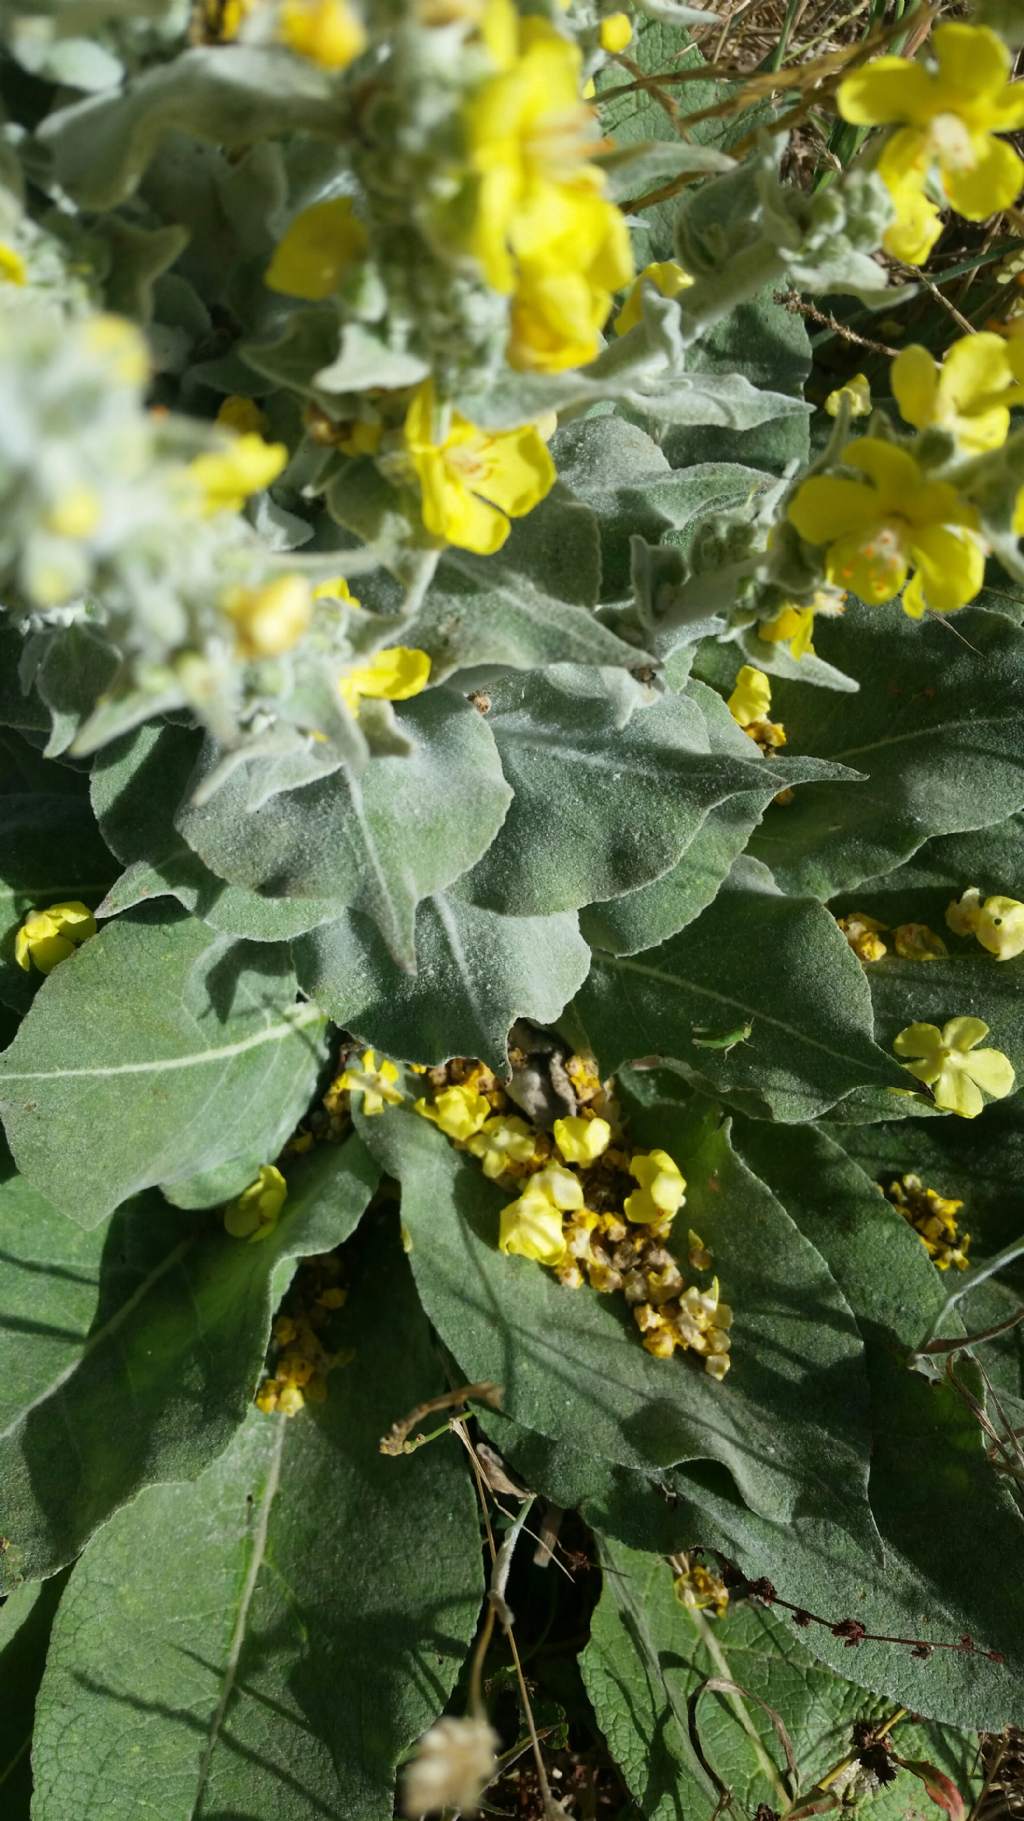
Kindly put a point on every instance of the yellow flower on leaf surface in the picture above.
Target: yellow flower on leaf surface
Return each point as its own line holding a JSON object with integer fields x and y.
{"x": 50, "y": 936}
{"x": 969, "y": 395}
{"x": 254, "y": 1213}
{"x": 474, "y": 481}
{"x": 563, "y": 294}
{"x": 531, "y": 1226}
{"x": 227, "y": 477}
{"x": 318, "y": 248}
{"x": 373, "y": 1081}
{"x": 662, "y": 1188}
{"x": 998, "y": 923}
{"x": 503, "y": 1140}
{"x": 615, "y": 32}
{"x": 751, "y": 697}
{"x": 793, "y": 625}
{"x": 666, "y": 277}
{"x": 949, "y": 1063}
{"x": 947, "y": 117}
{"x": 855, "y": 394}
{"x": 878, "y": 528}
{"x": 328, "y": 32}
{"x": 582, "y": 1141}
{"x": 336, "y": 589}
{"x": 391, "y": 675}
{"x": 271, "y": 619}
{"x": 458, "y": 1111}
{"x": 918, "y": 942}
{"x": 528, "y": 132}
{"x": 13, "y": 270}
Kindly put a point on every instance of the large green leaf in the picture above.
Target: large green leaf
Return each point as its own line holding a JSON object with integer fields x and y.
{"x": 779, "y": 964}
{"x": 650, "y": 915}
{"x": 476, "y": 973}
{"x": 114, "y": 1341}
{"x": 138, "y": 783}
{"x": 157, "y": 1050}
{"x": 609, "y": 789}
{"x": 379, "y": 843}
{"x": 270, "y": 1639}
{"x": 571, "y": 1362}
{"x": 649, "y": 1656}
{"x": 935, "y": 727}
{"x": 25, "y": 1622}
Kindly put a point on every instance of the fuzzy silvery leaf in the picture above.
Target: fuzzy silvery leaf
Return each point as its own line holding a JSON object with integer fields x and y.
{"x": 753, "y": 957}
{"x": 935, "y": 727}
{"x": 330, "y": 1597}
{"x": 155, "y": 1027}
{"x": 378, "y": 843}
{"x": 571, "y": 1362}
{"x": 477, "y": 971}
{"x": 162, "y": 1302}
{"x": 633, "y": 169}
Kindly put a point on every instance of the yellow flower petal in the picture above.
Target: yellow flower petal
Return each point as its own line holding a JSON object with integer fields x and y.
{"x": 884, "y": 91}
{"x": 666, "y": 276}
{"x": 950, "y": 567}
{"x": 992, "y": 184}
{"x": 914, "y": 377}
{"x": 392, "y": 675}
{"x": 955, "y": 1092}
{"x": 963, "y": 1033}
{"x": 318, "y": 248}
{"x": 751, "y": 698}
{"x": 999, "y": 927}
{"x": 893, "y": 471}
{"x": 582, "y": 1141}
{"x": 973, "y": 61}
{"x": 328, "y": 32}
{"x": 992, "y": 1071}
{"x": 827, "y": 507}
{"x": 615, "y": 32}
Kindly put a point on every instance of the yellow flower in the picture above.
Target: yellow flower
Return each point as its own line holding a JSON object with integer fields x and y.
{"x": 76, "y": 514}
{"x": 949, "y": 1064}
{"x": 13, "y": 270}
{"x": 289, "y": 1401}
{"x": 242, "y": 415}
{"x": 615, "y": 32}
{"x": 564, "y": 291}
{"x": 271, "y": 619}
{"x": 226, "y": 478}
{"x": 391, "y": 675}
{"x": 527, "y": 133}
{"x": 662, "y": 1188}
{"x": 375, "y": 1082}
{"x": 531, "y": 1226}
{"x": 49, "y": 936}
{"x": 856, "y": 395}
{"x": 254, "y": 1213}
{"x": 336, "y": 589}
{"x": 948, "y": 116}
{"x": 459, "y": 1111}
{"x": 917, "y": 942}
{"x": 969, "y": 395}
{"x": 751, "y": 697}
{"x": 582, "y": 1140}
{"x": 328, "y": 32}
{"x": 864, "y": 934}
{"x": 877, "y": 529}
{"x": 474, "y": 481}
{"x": 666, "y": 277}
{"x": 794, "y": 625}
{"x": 697, "y": 1588}
{"x": 319, "y": 247}
{"x": 501, "y": 1141}
{"x": 998, "y": 923}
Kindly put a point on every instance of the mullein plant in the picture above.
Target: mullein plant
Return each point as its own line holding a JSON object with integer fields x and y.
{"x": 512, "y": 903}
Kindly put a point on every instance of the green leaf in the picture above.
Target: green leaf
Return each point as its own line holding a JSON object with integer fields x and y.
{"x": 476, "y": 973}
{"x": 644, "y": 918}
{"x": 571, "y": 1362}
{"x": 157, "y": 1050}
{"x": 230, "y": 94}
{"x": 645, "y": 165}
{"x": 649, "y": 1657}
{"x": 112, "y": 1341}
{"x": 753, "y": 957}
{"x": 935, "y": 727}
{"x": 609, "y": 789}
{"x": 25, "y": 1622}
{"x": 137, "y": 785}
{"x": 75, "y": 671}
{"x": 379, "y": 843}
{"x": 272, "y": 1638}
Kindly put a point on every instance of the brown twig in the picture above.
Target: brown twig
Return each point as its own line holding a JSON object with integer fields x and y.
{"x": 396, "y": 1441}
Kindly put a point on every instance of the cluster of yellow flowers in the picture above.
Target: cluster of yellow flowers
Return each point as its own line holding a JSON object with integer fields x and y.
{"x": 588, "y": 1208}
{"x": 933, "y": 1218}
{"x": 910, "y": 941}
{"x": 301, "y": 1357}
{"x": 328, "y": 32}
{"x": 749, "y": 705}
{"x": 698, "y": 1588}
{"x": 947, "y": 120}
